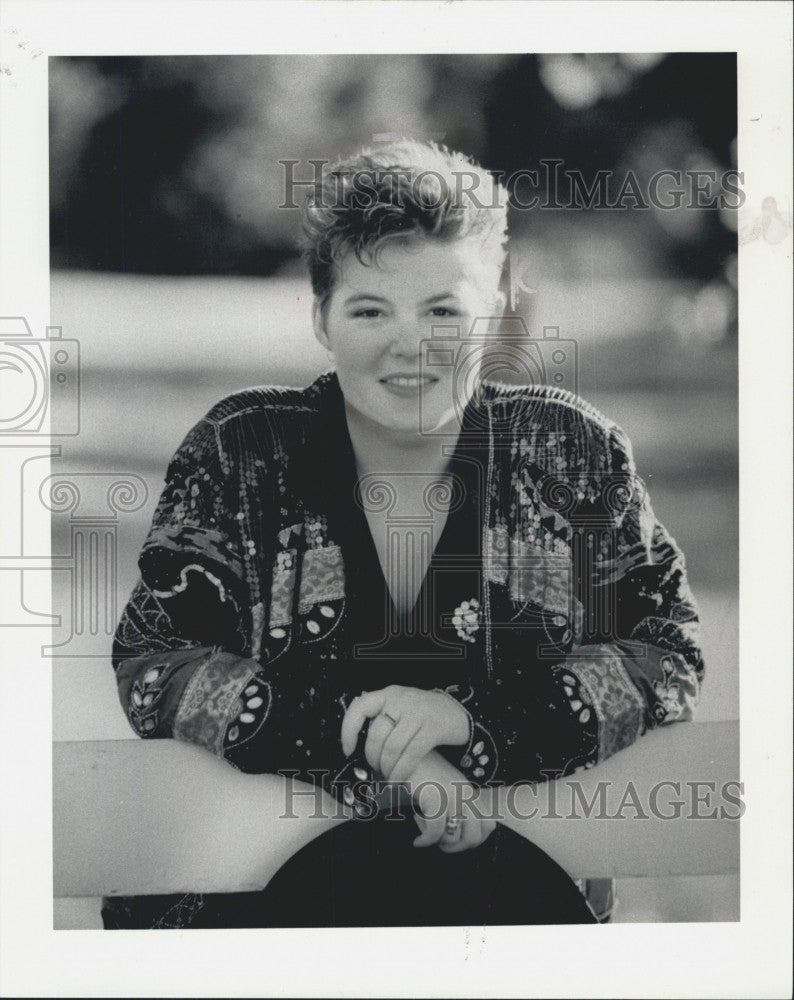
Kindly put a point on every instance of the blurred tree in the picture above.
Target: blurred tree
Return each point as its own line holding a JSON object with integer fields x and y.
{"x": 622, "y": 112}
{"x": 171, "y": 164}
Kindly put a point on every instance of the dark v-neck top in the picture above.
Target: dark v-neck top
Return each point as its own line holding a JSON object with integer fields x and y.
{"x": 420, "y": 648}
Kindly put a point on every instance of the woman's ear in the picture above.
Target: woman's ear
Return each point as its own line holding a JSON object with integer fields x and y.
{"x": 318, "y": 321}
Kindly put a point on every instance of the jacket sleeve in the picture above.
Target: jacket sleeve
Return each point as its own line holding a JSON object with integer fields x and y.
{"x": 187, "y": 658}
{"x": 622, "y": 659}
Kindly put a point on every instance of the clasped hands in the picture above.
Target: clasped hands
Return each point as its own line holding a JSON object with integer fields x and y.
{"x": 406, "y": 725}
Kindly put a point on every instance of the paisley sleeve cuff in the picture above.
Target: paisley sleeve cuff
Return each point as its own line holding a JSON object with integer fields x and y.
{"x": 214, "y": 701}
{"x": 479, "y": 759}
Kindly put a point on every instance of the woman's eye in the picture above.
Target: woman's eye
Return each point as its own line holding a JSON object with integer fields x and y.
{"x": 442, "y": 311}
{"x": 367, "y": 313}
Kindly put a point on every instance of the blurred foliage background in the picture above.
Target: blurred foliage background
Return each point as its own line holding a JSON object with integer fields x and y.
{"x": 177, "y": 271}
{"x": 171, "y": 165}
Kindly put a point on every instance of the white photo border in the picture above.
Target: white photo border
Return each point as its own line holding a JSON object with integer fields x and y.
{"x": 750, "y": 957}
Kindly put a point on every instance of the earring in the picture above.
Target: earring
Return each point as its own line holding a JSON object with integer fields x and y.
{"x": 331, "y": 357}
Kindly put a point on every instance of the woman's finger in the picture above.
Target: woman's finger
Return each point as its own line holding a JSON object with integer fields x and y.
{"x": 379, "y": 729}
{"x": 360, "y": 709}
{"x": 471, "y": 838}
{"x": 415, "y": 750}
{"x": 432, "y": 830}
{"x": 431, "y": 815}
{"x": 423, "y": 839}
{"x": 476, "y": 831}
{"x": 464, "y": 832}
{"x": 395, "y": 745}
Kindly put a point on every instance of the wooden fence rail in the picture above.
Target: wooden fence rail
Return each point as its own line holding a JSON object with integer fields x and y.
{"x": 138, "y": 817}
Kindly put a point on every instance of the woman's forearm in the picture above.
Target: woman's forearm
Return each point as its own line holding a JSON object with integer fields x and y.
{"x": 645, "y": 811}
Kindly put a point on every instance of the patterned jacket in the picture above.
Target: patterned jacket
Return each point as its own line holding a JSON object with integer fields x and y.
{"x": 560, "y": 616}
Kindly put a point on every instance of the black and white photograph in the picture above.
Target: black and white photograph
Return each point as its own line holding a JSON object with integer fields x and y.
{"x": 375, "y": 460}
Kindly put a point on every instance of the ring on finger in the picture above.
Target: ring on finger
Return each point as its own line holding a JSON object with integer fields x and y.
{"x": 453, "y": 827}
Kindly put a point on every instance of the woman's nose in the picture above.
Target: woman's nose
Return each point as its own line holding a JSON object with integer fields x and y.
{"x": 406, "y": 339}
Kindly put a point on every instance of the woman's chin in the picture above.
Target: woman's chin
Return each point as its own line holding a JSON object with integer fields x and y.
{"x": 419, "y": 423}
{"x": 405, "y": 419}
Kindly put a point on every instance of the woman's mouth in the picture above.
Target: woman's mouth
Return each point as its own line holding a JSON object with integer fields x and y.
{"x": 405, "y": 384}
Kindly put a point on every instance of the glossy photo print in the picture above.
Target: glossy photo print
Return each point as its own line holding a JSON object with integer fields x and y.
{"x": 376, "y": 473}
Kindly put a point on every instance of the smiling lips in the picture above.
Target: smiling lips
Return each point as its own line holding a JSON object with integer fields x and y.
{"x": 404, "y": 384}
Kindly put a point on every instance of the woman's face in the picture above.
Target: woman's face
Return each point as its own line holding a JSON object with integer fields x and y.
{"x": 378, "y": 319}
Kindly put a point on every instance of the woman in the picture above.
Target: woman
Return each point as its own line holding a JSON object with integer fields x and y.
{"x": 405, "y": 572}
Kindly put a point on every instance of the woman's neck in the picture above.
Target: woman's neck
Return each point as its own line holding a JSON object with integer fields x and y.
{"x": 378, "y": 449}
